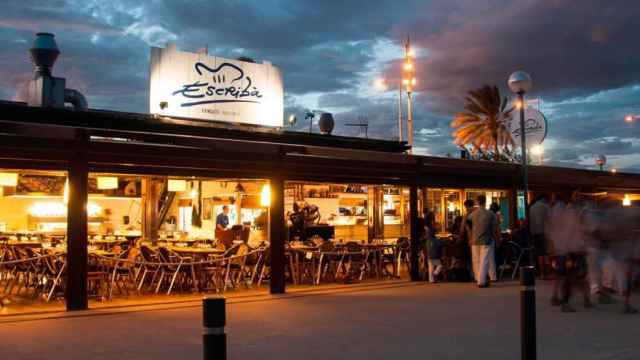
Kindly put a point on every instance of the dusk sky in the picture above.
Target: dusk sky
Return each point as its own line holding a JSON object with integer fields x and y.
{"x": 584, "y": 57}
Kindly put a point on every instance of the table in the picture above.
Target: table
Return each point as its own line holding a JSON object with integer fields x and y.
{"x": 197, "y": 252}
{"x": 107, "y": 243}
{"x": 30, "y": 243}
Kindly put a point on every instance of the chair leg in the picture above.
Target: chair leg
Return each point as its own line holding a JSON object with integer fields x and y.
{"x": 319, "y": 274}
{"x": 56, "y": 281}
{"x": 264, "y": 267}
{"x": 159, "y": 281}
{"x": 517, "y": 267}
{"x": 113, "y": 281}
{"x": 173, "y": 280}
{"x": 255, "y": 269}
{"x": 226, "y": 278}
{"x": 144, "y": 274}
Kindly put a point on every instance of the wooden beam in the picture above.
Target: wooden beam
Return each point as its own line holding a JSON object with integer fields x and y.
{"x": 147, "y": 123}
{"x": 77, "y": 257}
{"x": 277, "y": 234}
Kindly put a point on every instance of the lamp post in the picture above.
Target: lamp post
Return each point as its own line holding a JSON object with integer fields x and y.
{"x": 409, "y": 81}
{"x": 520, "y": 83}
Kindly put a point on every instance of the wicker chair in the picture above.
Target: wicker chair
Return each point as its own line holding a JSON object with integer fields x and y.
{"x": 149, "y": 258}
{"x": 175, "y": 265}
{"x": 329, "y": 262}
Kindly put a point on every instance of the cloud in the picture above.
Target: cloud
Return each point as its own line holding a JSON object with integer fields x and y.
{"x": 583, "y": 58}
{"x": 569, "y": 50}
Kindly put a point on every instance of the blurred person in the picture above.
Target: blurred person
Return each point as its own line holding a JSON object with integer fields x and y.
{"x": 495, "y": 208}
{"x": 618, "y": 227}
{"x": 484, "y": 234}
{"x": 464, "y": 236}
{"x": 538, "y": 217}
{"x": 597, "y": 247}
{"x": 434, "y": 249}
{"x": 566, "y": 237}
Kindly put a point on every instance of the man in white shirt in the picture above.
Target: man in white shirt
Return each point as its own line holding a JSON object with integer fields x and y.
{"x": 484, "y": 234}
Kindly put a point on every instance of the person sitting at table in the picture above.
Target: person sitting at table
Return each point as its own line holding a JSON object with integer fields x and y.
{"x": 222, "y": 220}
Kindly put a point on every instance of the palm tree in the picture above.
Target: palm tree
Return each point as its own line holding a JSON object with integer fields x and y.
{"x": 483, "y": 125}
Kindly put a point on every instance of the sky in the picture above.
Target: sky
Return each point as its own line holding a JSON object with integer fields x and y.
{"x": 583, "y": 56}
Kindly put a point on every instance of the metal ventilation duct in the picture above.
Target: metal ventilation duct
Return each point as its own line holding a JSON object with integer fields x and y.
{"x": 45, "y": 90}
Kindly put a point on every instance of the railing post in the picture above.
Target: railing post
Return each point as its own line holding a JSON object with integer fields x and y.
{"x": 528, "y": 313}
{"x": 214, "y": 339}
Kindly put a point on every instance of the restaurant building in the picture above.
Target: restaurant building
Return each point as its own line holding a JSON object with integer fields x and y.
{"x": 82, "y": 189}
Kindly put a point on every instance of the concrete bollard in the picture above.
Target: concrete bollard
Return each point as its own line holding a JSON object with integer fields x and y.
{"x": 528, "y": 313}
{"x": 214, "y": 339}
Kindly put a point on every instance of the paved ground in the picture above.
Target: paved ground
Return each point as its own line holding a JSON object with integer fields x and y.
{"x": 443, "y": 321}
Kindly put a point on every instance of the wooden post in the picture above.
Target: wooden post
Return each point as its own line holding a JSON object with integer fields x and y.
{"x": 150, "y": 212}
{"x": 77, "y": 267}
{"x": 375, "y": 212}
{"x": 277, "y": 235}
{"x": 415, "y": 233}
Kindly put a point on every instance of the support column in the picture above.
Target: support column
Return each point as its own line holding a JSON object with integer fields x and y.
{"x": 415, "y": 233}
{"x": 277, "y": 233}
{"x": 151, "y": 189}
{"x": 77, "y": 268}
{"x": 375, "y": 212}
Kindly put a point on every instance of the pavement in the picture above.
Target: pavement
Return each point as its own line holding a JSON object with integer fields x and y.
{"x": 405, "y": 321}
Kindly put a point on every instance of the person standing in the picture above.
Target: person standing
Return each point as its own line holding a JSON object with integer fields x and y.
{"x": 567, "y": 238}
{"x": 434, "y": 249}
{"x": 484, "y": 234}
{"x": 622, "y": 222}
{"x": 465, "y": 235}
{"x": 222, "y": 220}
{"x": 538, "y": 217}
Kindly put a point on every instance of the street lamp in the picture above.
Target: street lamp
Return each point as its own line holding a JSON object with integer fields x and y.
{"x": 520, "y": 83}
{"x": 631, "y": 118}
{"x": 409, "y": 81}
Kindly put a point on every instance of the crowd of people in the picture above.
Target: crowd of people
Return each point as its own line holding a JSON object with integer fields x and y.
{"x": 579, "y": 241}
{"x": 573, "y": 242}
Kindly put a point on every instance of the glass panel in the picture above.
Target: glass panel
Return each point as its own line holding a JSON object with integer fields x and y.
{"x": 396, "y": 212}
{"x": 33, "y": 222}
{"x": 176, "y": 236}
{"x": 329, "y": 211}
{"x": 496, "y": 199}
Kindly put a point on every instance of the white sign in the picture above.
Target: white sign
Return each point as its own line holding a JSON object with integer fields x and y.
{"x": 199, "y": 86}
{"x": 535, "y": 125}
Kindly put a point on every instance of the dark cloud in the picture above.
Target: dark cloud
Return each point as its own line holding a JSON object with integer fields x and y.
{"x": 569, "y": 48}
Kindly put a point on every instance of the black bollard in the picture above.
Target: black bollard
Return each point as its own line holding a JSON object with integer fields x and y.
{"x": 528, "y": 313}
{"x": 214, "y": 339}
